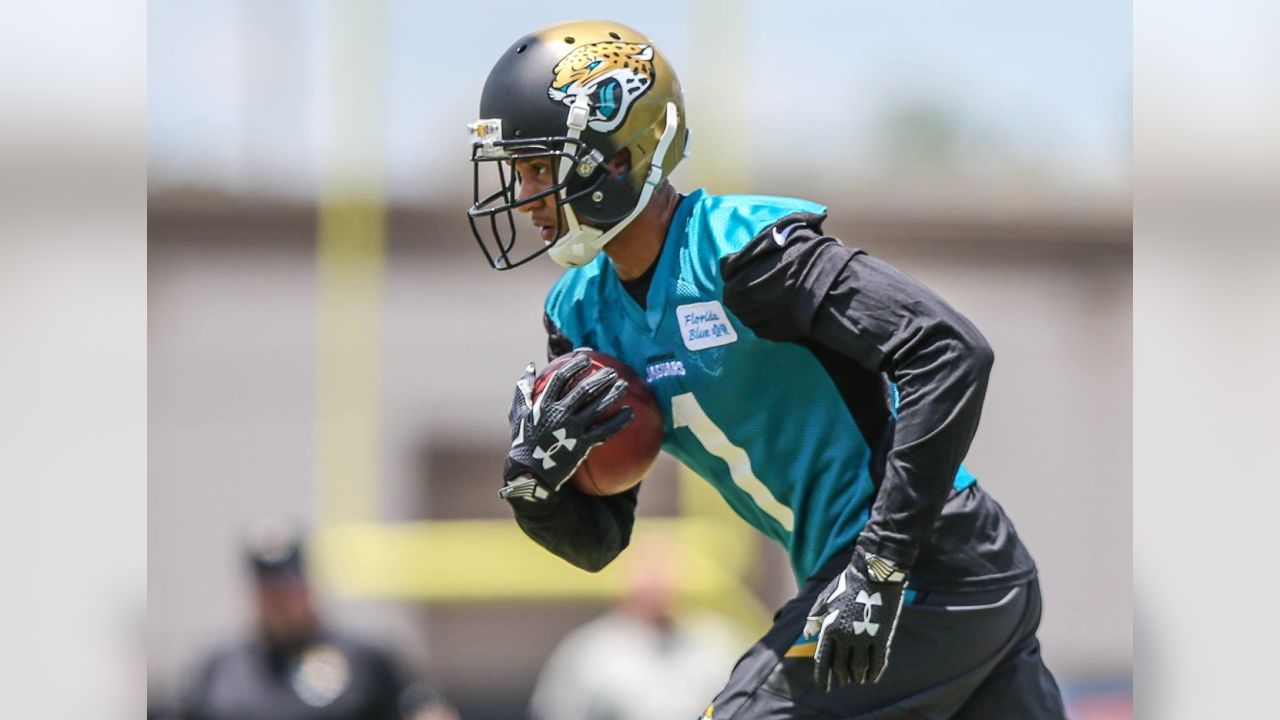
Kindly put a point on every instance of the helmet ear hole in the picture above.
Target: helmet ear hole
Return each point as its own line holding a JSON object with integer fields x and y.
{"x": 620, "y": 164}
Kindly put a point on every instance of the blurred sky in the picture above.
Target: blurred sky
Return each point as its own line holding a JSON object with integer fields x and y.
{"x": 995, "y": 93}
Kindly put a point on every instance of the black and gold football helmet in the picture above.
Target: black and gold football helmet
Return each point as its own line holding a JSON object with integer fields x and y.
{"x": 577, "y": 93}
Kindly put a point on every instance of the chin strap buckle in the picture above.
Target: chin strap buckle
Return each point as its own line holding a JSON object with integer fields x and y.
{"x": 588, "y": 165}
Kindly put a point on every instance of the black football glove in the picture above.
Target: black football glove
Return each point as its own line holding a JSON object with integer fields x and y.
{"x": 854, "y": 619}
{"x": 550, "y": 436}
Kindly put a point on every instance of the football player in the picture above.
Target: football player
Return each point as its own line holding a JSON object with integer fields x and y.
{"x": 826, "y": 395}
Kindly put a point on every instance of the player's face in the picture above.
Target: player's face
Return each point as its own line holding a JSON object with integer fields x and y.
{"x": 534, "y": 176}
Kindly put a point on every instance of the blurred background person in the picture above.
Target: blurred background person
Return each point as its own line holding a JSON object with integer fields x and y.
{"x": 294, "y": 666}
{"x": 643, "y": 659}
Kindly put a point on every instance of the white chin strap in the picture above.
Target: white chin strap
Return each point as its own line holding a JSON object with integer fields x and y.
{"x": 582, "y": 243}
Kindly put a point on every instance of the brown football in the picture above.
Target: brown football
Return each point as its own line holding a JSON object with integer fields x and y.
{"x": 621, "y": 462}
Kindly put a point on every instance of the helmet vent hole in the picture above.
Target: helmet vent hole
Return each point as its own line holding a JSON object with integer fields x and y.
{"x": 615, "y": 36}
{"x": 521, "y": 48}
{"x": 569, "y": 40}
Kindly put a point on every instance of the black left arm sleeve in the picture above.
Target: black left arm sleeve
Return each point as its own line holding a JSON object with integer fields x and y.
{"x": 811, "y": 289}
{"x": 586, "y": 530}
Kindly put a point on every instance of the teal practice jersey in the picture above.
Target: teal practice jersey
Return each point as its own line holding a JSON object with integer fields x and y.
{"x": 760, "y": 420}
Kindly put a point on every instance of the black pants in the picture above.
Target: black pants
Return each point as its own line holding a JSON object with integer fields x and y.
{"x": 971, "y": 656}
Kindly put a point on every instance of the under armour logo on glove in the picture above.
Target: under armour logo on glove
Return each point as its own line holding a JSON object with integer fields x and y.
{"x": 848, "y": 617}
{"x": 551, "y": 434}
{"x": 865, "y": 625}
{"x": 561, "y": 442}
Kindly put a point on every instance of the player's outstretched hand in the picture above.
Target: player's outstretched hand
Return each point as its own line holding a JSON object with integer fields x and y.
{"x": 854, "y": 619}
{"x": 551, "y": 434}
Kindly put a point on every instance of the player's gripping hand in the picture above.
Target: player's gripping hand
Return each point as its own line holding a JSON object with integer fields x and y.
{"x": 550, "y": 435}
{"x": 854, "y": 619}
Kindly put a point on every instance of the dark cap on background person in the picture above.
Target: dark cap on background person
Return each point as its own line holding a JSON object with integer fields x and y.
{"x": 274, "y": 547}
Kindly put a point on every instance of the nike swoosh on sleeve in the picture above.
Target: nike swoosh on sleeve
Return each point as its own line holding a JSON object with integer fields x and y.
{"x": 782, "y": 237}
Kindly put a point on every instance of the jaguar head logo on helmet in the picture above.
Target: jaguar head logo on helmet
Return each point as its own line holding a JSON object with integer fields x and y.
{"x": 611, "y": 74}
{"x": 579, "y": 123}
